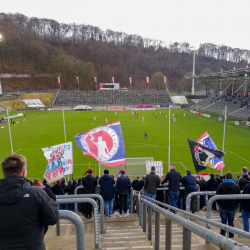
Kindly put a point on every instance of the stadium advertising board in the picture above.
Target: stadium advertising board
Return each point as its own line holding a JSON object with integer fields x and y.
{"x": 199, "y": 113}
{"x": 33, "y": 103}
{"x": 115, "y": 108}
{"x": 109, "y": 86}
{"x": 158, "y": 166}
{"x": 14, "y": 116}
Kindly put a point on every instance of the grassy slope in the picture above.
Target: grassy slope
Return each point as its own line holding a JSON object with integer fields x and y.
{"x": 45, "y": 128}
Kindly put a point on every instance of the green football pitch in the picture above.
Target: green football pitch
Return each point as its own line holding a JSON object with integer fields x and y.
{"x": 41, "y": 129}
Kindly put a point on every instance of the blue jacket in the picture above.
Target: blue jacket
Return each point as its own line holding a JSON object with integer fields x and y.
{"x": 189, "y": 182}
{"x": 107, "y": 189}
{"x": 123, "y": 184}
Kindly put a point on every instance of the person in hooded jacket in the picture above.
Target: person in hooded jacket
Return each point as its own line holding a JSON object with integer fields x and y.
{"x": 56, "y": 188}
{"x": 107, "y": 192}
{"x": 25, "y": 209}
{"x": 212, "y": 185}
{"x": 227, "y": 207}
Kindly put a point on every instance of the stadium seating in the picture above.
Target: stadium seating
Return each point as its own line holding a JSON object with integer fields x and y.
{"x": 107, "y": 98}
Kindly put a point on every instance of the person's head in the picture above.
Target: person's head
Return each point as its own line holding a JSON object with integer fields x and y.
{"x": 37, "y": 182}
{"x": 143, "y": 177}
{"x": 63, "y": 181}
{"x": 90, "y": 171}
{"x": 138, "y": 178}
{"x": 212, "y": 176}
{"x": 122, "y": 171}
{"x": 58, "y": 182}
{"x": 44, "y": 182}
{"x": 14, "y": 165}
{"x": 152, "y": 169}
{"x": 217, "y": 176}
{"x": 69, "y": 182}
{"x": 74, "y": 182}
{"x": 106, "y": 171}
{"x": 189, "y": 172}
{"x": 244, "y": 170}
{"x": 172, "y": 166}
{"x": 229, "y": 175}
{"x": 79, "y": 181}
{"x": 238, "y": 177}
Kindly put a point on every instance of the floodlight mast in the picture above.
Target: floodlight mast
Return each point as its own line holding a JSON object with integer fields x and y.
{"x": 193, "y": 74}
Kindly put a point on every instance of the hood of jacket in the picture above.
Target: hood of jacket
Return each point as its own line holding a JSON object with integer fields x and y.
{"x": 123, "y": 177}
{"x": 13, "y": 189}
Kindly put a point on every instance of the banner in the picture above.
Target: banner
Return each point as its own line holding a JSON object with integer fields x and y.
{"x": 105, "y": 144}
{"x": 165, "y": 79}
{"x": 147, "y": 79}
{"x": 94, "y": 79}
{"x": 58, "y": 79}
{"x": 204, "y": 156}
{"x": 60, "y": 161}
{"x": 199, "y": 113}
{"x": 77, "y": 78}
{"x": 130, "y": 80}
{"x": 113, "y": 79}
{"x": 158, "y": 166}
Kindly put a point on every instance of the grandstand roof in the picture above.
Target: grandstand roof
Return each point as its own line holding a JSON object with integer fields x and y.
{"x": 236, "y": 75}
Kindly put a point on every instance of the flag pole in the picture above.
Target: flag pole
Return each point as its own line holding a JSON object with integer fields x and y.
{"x": 169, "y": 141}
{"x": 12, "y": 152}
{"x": 223, "y": 145}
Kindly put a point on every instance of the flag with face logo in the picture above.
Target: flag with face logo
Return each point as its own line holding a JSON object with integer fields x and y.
{"x": 105, "y": 144}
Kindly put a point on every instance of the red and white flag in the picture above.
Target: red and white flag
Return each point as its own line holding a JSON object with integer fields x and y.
{"x": 77, "y": 78}
{"x": 147, "y": 79}
{"x": 165, "y": 79}
{"x": 113, "y": 79}
{"x": 130, "y": 80}
{"x": 58, "y": 79}
{"x": 94, "y": 79}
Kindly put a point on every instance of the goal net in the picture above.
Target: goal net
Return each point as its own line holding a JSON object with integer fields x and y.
{"x": 134, "y": 167}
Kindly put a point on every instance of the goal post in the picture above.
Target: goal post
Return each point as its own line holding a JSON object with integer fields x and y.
{"x": 134, "y": 167}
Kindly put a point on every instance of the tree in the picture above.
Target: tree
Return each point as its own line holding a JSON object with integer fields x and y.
{"x": 157, "y": 81}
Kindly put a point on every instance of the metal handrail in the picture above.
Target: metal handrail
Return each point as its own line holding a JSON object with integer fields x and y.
{"x": 206, "y": 220}
{"x": 226, "y": 197}
{"x": 94, "y": 204}
{"x": 80, "y": 230}
{"x": 97, "y": 196}
{"x": 188, "y": 226}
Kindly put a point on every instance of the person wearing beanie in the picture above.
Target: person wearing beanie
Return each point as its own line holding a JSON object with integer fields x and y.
{"x": 189, "y": 182}
{"x": 227, "y": 207}
{"x": 107, "y": 192}
{"x": 212, "y": 185}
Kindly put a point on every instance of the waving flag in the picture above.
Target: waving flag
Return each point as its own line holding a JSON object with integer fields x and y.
{"x": 105, "y": 144}
{"x": 204, "y": 156}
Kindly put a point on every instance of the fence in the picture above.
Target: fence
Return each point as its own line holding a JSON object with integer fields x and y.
{"x": 83, "y": 200}
{"x": 210, "y": 236}
{"x": 80, "y": 230}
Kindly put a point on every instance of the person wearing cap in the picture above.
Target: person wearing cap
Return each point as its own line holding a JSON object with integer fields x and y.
{"x": 25, "y": 209}
{"x": 107, "y": 192}
{"x": 227, "y": 207}
{"x": 189, "y": 182}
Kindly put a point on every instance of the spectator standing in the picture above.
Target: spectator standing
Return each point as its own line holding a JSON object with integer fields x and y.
{"x": 218, "y": 179}
{"x": 174, "y": 178}
{"x": 56, "y": 188}
{"x": 63, "y": 190}
{"x": 212, "y": 185}
{"x": 89, "y": 182}
{"x": 150, "y": 186}
{"x": 107, "y": 192}
{"x": 123, "y": 185}
{"x": 227, "y": 207}
{"x": 140, "y": 184}
{"x": 135, "y": 182}
{"x": 189, "y": 182}
{"x": 244, "y": 179}
{"x": 246, "y": 207}
{"x": 25, "y": 209}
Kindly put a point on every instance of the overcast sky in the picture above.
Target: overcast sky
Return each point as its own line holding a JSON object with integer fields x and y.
{"x": 194, "y": 21}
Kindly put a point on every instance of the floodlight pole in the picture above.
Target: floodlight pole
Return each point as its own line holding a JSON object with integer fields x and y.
{"x": 19, "y": 99}
{"x": 169, "y": 140}
{"x": 223, "y": 145}
{"x": 64, "y": 126}
{"x": 193, "y": 74}
{"x": 12, "y": 152}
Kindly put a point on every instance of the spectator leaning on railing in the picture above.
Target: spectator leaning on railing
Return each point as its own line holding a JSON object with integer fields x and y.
{"x": 25, "y": 209}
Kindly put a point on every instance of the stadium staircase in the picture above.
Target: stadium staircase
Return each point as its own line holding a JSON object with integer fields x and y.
{"x": 125, "y": 233}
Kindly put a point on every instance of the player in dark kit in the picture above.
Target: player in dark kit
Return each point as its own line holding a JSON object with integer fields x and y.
{"x": 145, "y": 135}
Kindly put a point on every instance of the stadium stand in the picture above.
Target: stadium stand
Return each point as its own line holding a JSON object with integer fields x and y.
{"x": 106, "y": 98}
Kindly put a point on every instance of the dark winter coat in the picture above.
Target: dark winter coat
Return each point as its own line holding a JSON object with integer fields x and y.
{"x": 243, "y": 181}
{"x": 175, "y": 179}
{"x": 246, "y": 203}
{"x": 107, "y": 187}
{"x": 56, "y": 189}
{"x": 189, "y": 182}
{"x": 134, "y": 183}
{"x": 152, "y": 181}
{"x": 25, "y": 210}
{"x": 212, "y": 185}
{"x": 89, "y": 182}
{"x": 123, "y": 184}
{"x": 139, "y": 185}
{"x": 49, "y": 193}
{"x": 224, "y": 189}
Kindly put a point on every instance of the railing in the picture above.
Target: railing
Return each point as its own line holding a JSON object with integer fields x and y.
{"x": 188, "y": 226}
{"x": 84, "y": 200}
{"x": 96, "y": 196}
{"x": 226, "y": 197}
{"x": 80, "y": 230}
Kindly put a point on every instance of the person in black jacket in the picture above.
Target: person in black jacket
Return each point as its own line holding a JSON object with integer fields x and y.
{"x": 174, "y": 178}
{"x": 246, "y": 207}
{"x": 140, "y": 184}
{"x": 212, "y": 185}
{"x": 25, "y": 209}
{"x": 135, "y": 182}
{"x": 218, "y": 179}
{"x": 63, "y": 189}
{"x": 244, "y": 179}
{"x": 56, "y": 188}
{"x": 227, "y": 207}
{"x": 89, "y": 183}
{"x": 107, "y": 192}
